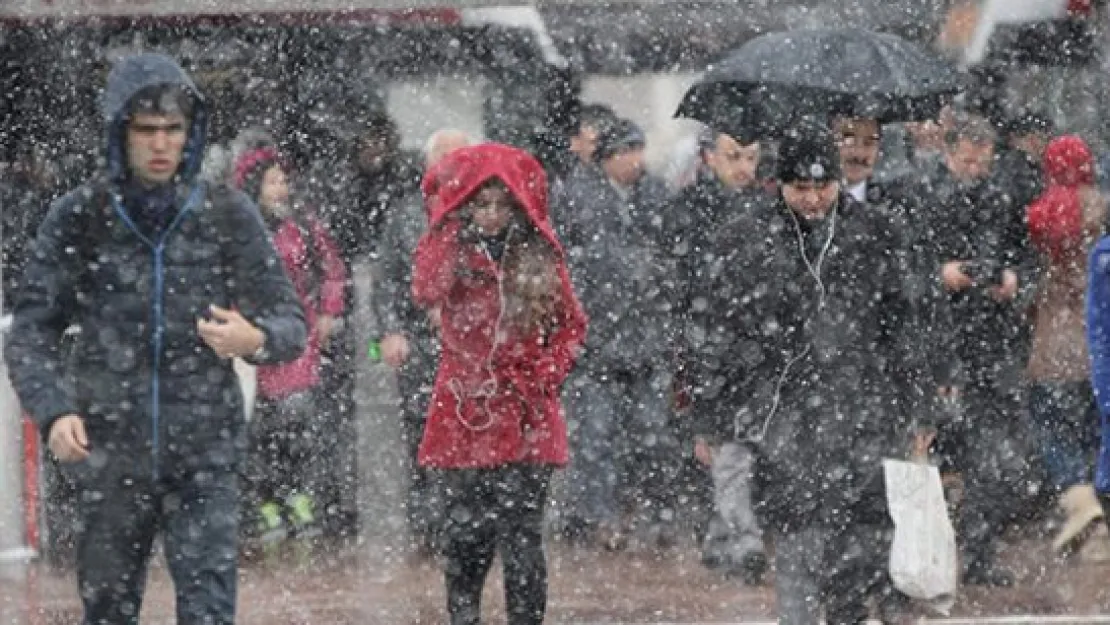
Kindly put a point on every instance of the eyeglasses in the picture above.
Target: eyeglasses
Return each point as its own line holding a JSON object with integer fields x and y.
{"x": 853, "y": 140}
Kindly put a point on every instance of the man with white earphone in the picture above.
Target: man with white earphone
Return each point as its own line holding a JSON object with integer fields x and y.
{"x": 803, "y": 325}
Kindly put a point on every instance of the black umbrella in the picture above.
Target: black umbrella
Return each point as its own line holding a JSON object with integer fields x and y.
{"x": 771, "y": 80}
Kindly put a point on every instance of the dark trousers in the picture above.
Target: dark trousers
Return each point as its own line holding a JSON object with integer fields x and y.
{"x": 1066, "y": 420}
{"x": 835, "y": 570}
{"x": 989, "y": 443}
{"x": 489, "y": 511}
{"x": 336, "y": 400}
{"x": 197, "y": 515}
{"x": 290, "y": 443}
{"x": 424, "y": 499}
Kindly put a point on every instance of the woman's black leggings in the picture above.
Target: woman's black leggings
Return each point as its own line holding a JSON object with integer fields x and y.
{"x": 491, "y": 510}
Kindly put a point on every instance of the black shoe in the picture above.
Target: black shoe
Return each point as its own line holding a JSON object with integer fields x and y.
{"x": 988, "y": 575}
{"x": 713, "y": 558}
{"x": 752, "y": 568}
{"x": 749, "y": 569}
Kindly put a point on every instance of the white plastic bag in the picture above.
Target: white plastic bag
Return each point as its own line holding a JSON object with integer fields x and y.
{"x": 924, "y": 559}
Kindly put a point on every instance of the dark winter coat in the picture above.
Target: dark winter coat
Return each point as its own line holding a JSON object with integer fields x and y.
{"x": 956, "y": 222}
{"x": 1020, "y": 176}
{"x": 807, "y": 377}
{"x": 700, "y": 212}
{"x": 392, "y": 297}
{"x": 148, "y": 387}
{"x": 619, "y": 256}
{"x": 356, "y": 204}
{"x": 496, "y": 399}
{"x": 23, "y": 204}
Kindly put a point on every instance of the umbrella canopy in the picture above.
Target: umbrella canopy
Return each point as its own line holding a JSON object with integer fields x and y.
{"x": 771, "y": 80}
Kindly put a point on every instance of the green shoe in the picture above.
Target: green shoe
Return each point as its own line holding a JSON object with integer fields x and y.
{"x": 300, "y": 510}
{"x": 270, "y": 523}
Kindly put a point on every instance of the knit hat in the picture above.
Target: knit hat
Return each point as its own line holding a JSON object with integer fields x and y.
{"x": 808, "y": 152}
{"x": 618, "y": 136}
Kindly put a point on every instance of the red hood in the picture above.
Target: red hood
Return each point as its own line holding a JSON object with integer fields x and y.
{"x": 1055, "y": 219}
{"x": 458, "y": 176}
{"x": 1068, "y": 162}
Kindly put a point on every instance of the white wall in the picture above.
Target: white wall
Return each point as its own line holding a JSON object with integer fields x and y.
{"x": 423, "y": 106}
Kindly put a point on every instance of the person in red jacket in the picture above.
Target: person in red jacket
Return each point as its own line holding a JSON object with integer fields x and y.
{"x": 287, "y": 465}
{"x": 510, "y": 330}
{"x": 1064, "y": 223}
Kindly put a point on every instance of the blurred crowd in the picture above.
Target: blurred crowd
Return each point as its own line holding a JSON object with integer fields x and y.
{"x": 700, "y": 407}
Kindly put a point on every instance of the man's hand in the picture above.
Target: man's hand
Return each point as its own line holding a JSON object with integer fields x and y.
{"x": 435, "y": 318}
{"x": 953, "y": 276}
{"x": 229, "y": 334}
{"x": 703, "y": 452}
{"x": 325, "y": 328}
{"x": 395, "y": 350}
{"x": 1008, "y": 290}
{"x": 919, "y": 447}
{"x": 68, "y": 440}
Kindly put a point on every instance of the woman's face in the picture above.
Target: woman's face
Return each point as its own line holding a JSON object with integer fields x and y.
{"x": 491, "y": 209}
{"x": 273, "y": 196}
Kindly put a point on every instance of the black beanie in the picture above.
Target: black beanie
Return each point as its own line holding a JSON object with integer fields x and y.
{"x": 808, "y": 152}
{"x": 617, "y": 136}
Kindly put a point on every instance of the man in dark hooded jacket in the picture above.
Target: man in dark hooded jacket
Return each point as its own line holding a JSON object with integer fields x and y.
{"x": 799, "y": 332}
{"x": 168, "y": 280}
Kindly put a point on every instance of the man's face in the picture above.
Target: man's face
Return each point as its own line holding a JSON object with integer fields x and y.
{"x": 969, "y": 160}
{"x": 156, "y": 145}
{"x": 859, "y": 142}
{"x": 734, "y": 164}
{"x": 812, "y": 199}
{"x": 625, "y": 167}
{"x": 374, "y": 153}
{"x": 584, "y": 143}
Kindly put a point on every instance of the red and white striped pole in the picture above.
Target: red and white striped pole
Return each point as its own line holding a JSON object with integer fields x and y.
{"x": 32, "y": 466}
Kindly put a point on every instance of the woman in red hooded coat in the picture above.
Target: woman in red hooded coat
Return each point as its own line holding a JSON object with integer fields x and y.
{"x": 493, "y": 271}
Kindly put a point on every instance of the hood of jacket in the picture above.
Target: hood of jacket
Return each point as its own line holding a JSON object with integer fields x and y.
{"x": 1068, "y": 162}
{"x": 1055, "y": 219}
{"x": 130, "y": 76}
{"x": 454, "y": 180}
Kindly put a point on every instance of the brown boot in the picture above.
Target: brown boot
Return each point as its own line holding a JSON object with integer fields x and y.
{"x": 1080, "y": 505}
{"x": 1097, "y": 547}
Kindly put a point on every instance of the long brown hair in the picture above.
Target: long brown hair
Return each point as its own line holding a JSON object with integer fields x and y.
{"x": 532, "y": 285}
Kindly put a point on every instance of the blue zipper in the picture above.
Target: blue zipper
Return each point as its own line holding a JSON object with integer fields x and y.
{"x": 157, "y": 310}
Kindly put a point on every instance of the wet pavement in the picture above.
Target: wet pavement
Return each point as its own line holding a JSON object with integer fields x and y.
{"x": 375, "y": 584}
